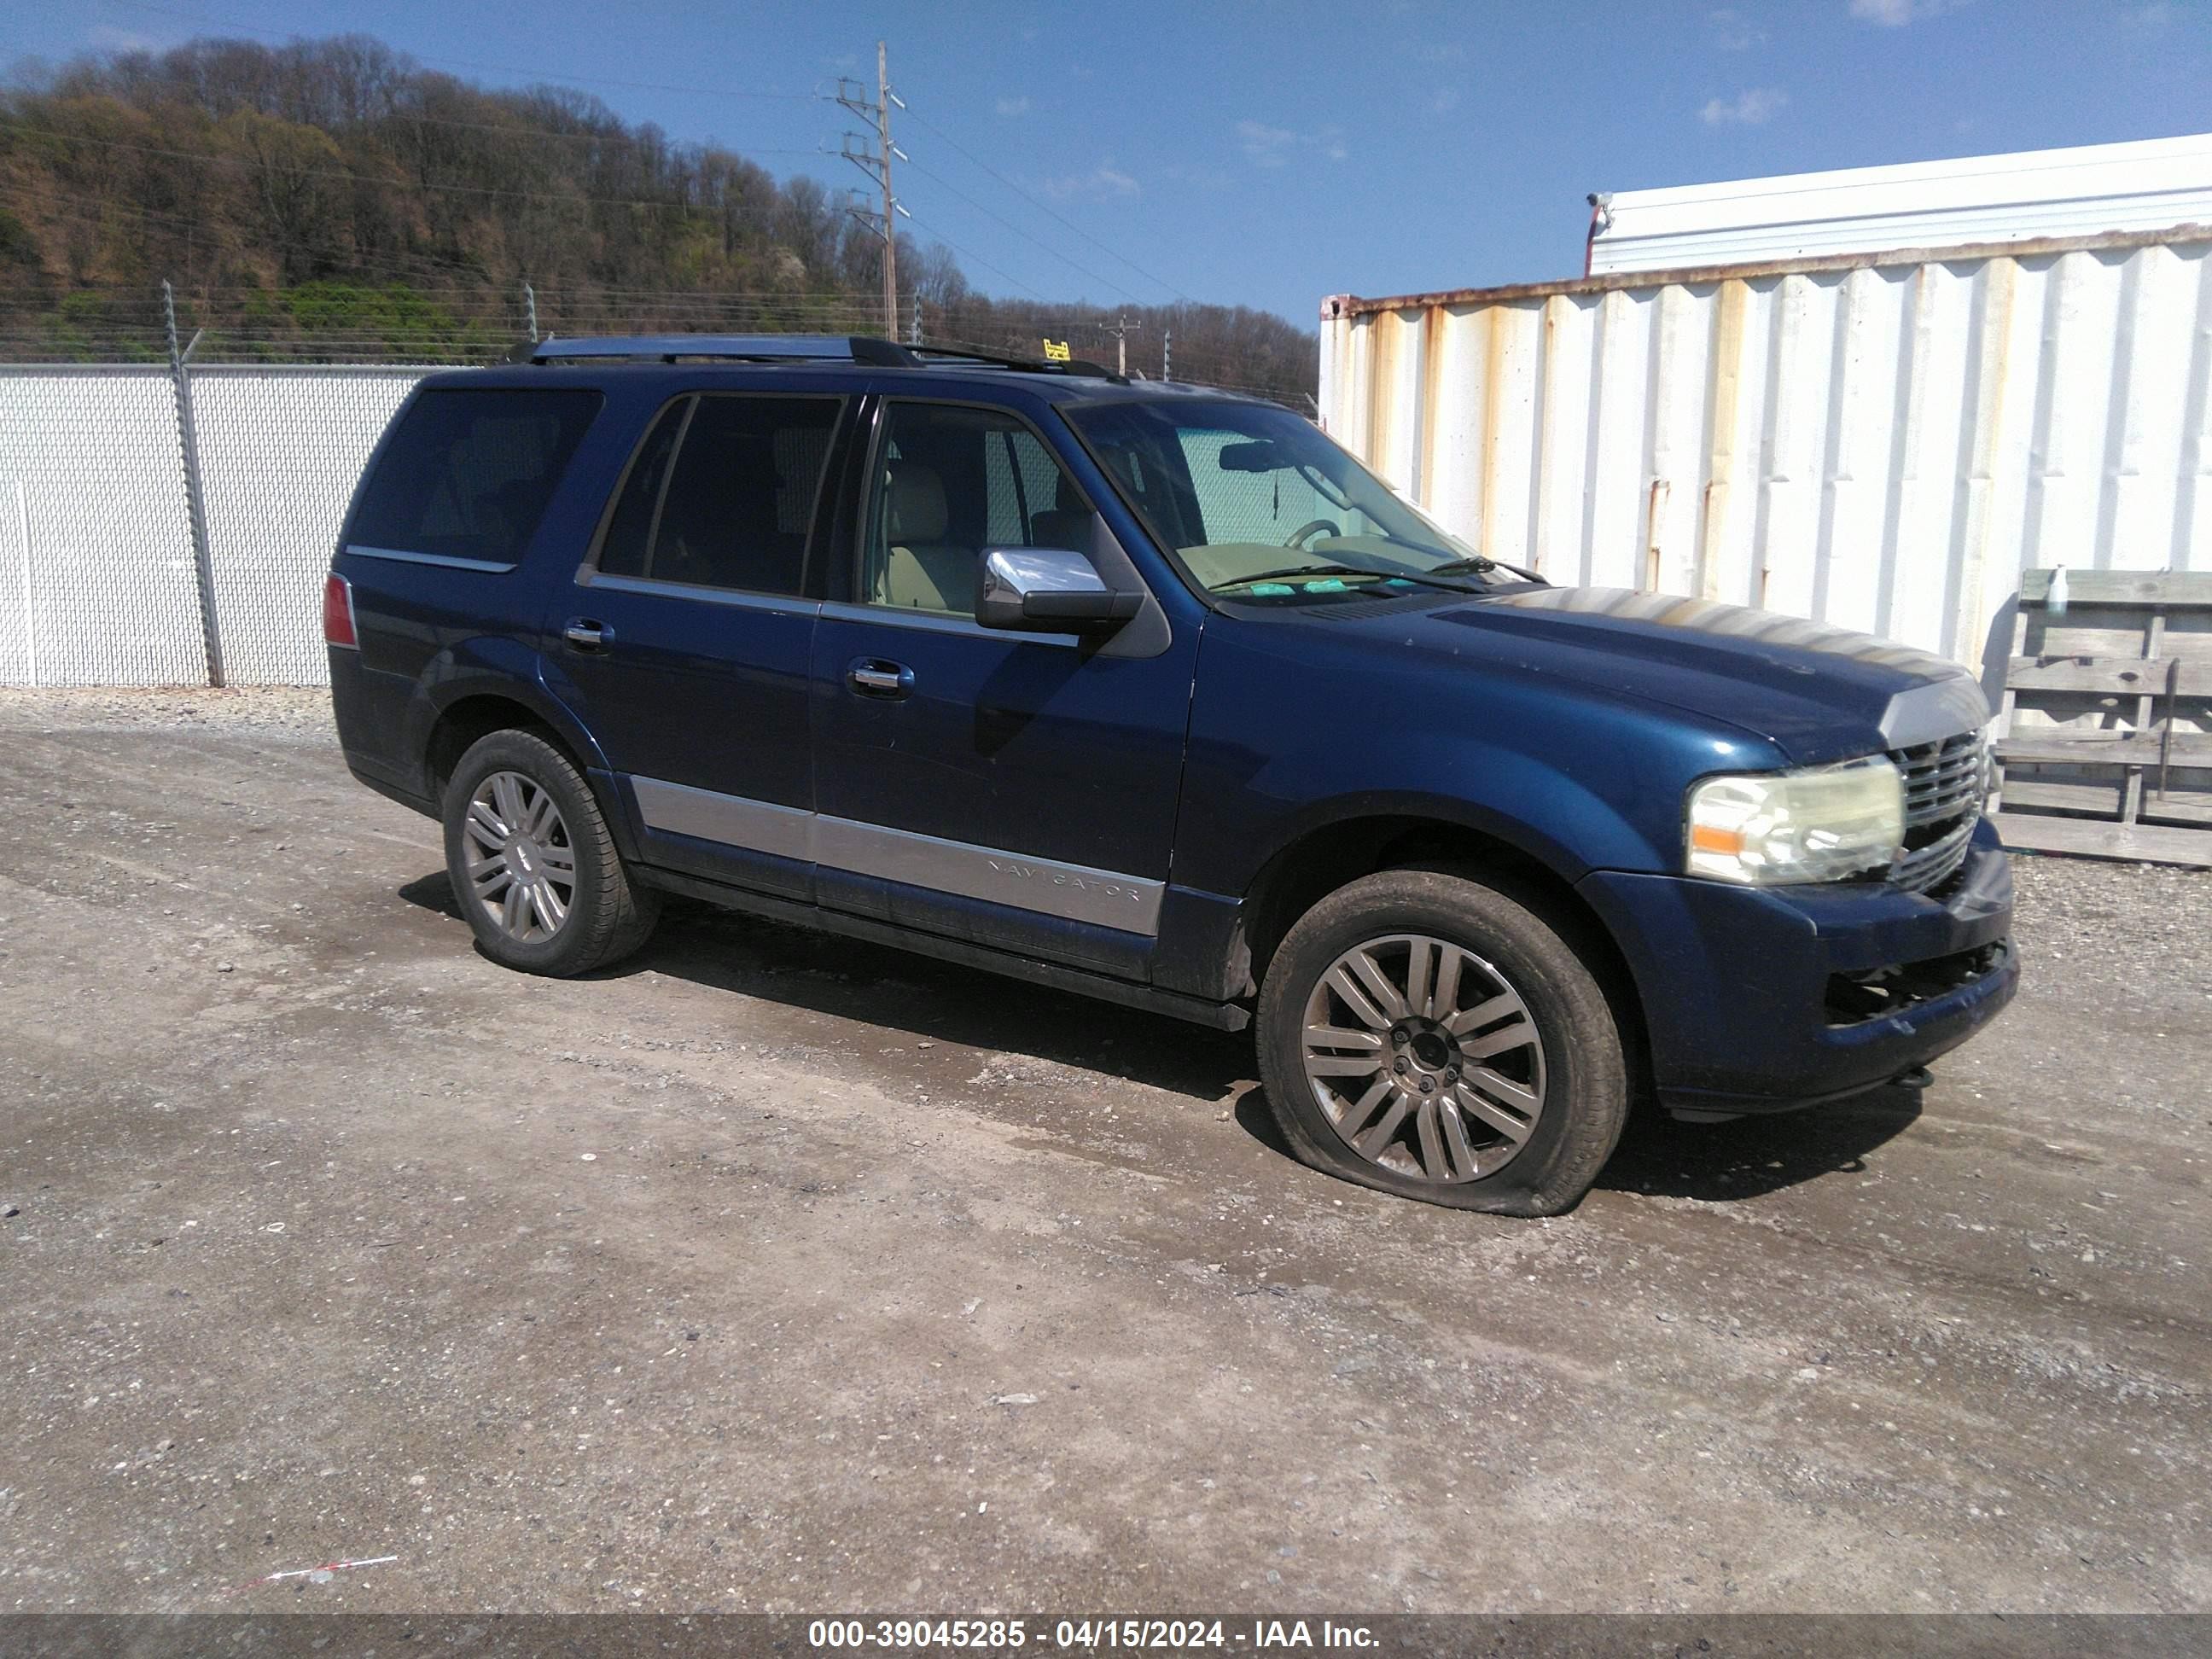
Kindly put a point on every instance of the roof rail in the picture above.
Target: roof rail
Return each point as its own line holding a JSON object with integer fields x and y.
{"x": 758, "y": 347}
{"x": 786, "y": 348}
{"x": 1081, "y": 367}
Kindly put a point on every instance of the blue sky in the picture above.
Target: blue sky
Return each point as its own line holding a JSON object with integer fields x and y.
{"x": 1241, "y": 152}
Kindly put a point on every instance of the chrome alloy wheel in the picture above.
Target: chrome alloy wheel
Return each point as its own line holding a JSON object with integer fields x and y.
{"x": 522, "y": 867}
{"x": 1424, "y": 1059}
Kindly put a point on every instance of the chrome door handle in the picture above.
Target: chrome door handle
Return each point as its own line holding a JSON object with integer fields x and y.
{"x": 874, "y": 676}
{"x": 586, "y": 635}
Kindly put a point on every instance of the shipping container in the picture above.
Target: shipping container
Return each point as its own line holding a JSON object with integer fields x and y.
{"x": 2156, "y": 184}
{"x": 1882, "y": 442}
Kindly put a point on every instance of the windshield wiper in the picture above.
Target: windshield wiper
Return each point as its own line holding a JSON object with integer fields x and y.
{"x": 1303, "y": 570}
{"x": 1476, "y": 564}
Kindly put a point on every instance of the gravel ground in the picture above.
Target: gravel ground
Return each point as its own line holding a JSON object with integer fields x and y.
{"x": 771, "y": 1271}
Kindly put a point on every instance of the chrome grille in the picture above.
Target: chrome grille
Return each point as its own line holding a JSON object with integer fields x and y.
{"x": 1945, "y": 783}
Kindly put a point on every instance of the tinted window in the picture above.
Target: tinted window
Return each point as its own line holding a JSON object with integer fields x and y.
{"x": 467, "y": 475}
{"x": 738, "y": 500}
{"x": 629, "y": 531}
{"x": 953, "y": 482}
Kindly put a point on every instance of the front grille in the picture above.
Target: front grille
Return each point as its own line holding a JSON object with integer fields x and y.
{"x": 1872, "y": 993}
{"x": 1945, "y": 783}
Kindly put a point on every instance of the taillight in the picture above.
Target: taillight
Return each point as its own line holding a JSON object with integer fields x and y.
{"x": 337, "y": 612}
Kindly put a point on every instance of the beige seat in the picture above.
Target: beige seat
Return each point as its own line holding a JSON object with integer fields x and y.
{"x": 921, "y": 570}
{"x": 1066, "y": 523}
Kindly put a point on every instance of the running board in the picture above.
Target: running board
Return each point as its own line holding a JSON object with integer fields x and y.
{"x": 1220, "y": 1016}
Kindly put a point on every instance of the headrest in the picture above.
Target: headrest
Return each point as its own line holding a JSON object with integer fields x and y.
{"x": 917, "y": 504}
{"x": 1068, "y": 498}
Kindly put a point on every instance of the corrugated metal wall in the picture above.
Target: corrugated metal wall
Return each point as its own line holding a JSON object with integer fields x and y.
{"x": 2147, "y": 185}
{"x": 101, "y": 590}
{"x": 1884, "y": 446}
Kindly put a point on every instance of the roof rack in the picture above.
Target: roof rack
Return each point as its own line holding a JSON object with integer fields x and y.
{"x": 786, "y": 348}
{"x": 758, "y": 347}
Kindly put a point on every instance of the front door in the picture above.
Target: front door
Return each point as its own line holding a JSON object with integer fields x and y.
{"x": 1015, "y": 790}
{"x": 685, "y": 643}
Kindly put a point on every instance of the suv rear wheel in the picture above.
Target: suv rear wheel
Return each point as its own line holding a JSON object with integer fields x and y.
{"x": 1433, "y": 1037}
{"x": 533, "y": 867}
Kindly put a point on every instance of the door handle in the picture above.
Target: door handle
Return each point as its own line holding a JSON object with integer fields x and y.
{"x": 876, "y": 676}
{"x": 587, "y": 634}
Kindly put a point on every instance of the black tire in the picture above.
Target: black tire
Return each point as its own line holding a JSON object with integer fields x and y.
{"x": 609, "y": 915}
{"x": 1582, "y": 1083}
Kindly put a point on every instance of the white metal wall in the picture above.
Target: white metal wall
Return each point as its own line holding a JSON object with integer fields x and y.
{"x": 108, "y": 562}
{"x": 1884, "y": 446}
{"x": 2150, "y": 184}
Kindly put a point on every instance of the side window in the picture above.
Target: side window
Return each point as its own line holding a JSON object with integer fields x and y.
{"x": 722, "y": 494}
{"x": 468, "y": 474}
{"x": 952, "y": 482}
{"x": 629, "y": 531}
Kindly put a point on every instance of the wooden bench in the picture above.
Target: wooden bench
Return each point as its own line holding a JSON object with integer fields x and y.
{"x": 2107, "y": 717}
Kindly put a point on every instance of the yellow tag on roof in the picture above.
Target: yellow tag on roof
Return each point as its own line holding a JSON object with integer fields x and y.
{"x": 1055, "y": 351}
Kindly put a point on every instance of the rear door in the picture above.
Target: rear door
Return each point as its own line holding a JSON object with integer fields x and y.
{"x": 1016, "y": 790}
{"x": 684, "y": 641}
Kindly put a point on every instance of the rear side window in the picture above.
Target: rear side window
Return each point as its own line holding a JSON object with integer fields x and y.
{"x": 722, "y": 493}
{"x": 467, "y": 475}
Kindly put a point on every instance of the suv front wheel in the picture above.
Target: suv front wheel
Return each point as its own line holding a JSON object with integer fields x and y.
{"x": 533, "y": 867}
{"x": 1433, "y": 1037}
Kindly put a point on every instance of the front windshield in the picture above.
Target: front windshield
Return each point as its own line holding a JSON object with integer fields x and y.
{"x": 1261, "y": 506}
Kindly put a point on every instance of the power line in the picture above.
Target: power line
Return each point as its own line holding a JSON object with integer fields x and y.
{"x": 980, "y": 260}
{"x": 1055, "y": 253}
{"x": 537, "y": 77}
{"x": 354, "y": 177}
{"x": 1160, "y": 281}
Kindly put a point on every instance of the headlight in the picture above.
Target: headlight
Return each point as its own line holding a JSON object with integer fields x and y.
{"x": 1823, "y": 824}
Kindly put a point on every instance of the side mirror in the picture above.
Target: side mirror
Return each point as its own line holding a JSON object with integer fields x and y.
{"x": 1047, "y": 590}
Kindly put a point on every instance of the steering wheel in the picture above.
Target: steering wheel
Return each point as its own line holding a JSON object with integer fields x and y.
{"x": 1297, "y": 538}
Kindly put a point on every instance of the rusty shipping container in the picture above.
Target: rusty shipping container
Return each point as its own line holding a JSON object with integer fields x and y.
{"x": 1884, "y": 441}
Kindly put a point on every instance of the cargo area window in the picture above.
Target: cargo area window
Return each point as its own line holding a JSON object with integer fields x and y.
{"x": 468, "y": 474}
{"x": 722, "y": 494}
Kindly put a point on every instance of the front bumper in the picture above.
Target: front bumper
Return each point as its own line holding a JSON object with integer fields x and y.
{"x": 1760, "y": 1000}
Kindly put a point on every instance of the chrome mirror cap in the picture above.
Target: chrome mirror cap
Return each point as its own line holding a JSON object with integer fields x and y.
{"x": 1047, "y": 589}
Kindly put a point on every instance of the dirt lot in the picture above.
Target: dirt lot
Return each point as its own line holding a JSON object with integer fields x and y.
{"x": 769, "y": 1272}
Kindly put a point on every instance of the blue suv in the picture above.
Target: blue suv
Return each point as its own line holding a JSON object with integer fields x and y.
{"x": 1155, "y": 694}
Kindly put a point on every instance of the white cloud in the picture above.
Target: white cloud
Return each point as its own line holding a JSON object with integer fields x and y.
{"x": 1733, "y": 32}
{"x": 1896, "y": 13}
{"x": 1104, "y": 182}
{"x": 1752, "y": 108}
{"x": 1269, "y": 146}
{"x": 1201, "y": 177}
{"x": 105, "y": 37}
{"x": 1274, "y": 147}
{"x": 1010, "y": 106}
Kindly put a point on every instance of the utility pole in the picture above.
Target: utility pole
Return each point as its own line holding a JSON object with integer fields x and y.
{"x": 1120, "y": 330}
{"x": 877, "y": 167}
{"x": 1167, "y": 354}
{"x": 529, "y": 311}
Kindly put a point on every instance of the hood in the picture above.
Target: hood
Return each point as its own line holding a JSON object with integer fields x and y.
{"x": 1820, "y": 694}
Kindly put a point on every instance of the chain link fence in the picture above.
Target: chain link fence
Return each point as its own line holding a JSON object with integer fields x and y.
{"x": 173, "y": 467}
{"x": 98, "y": 579}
